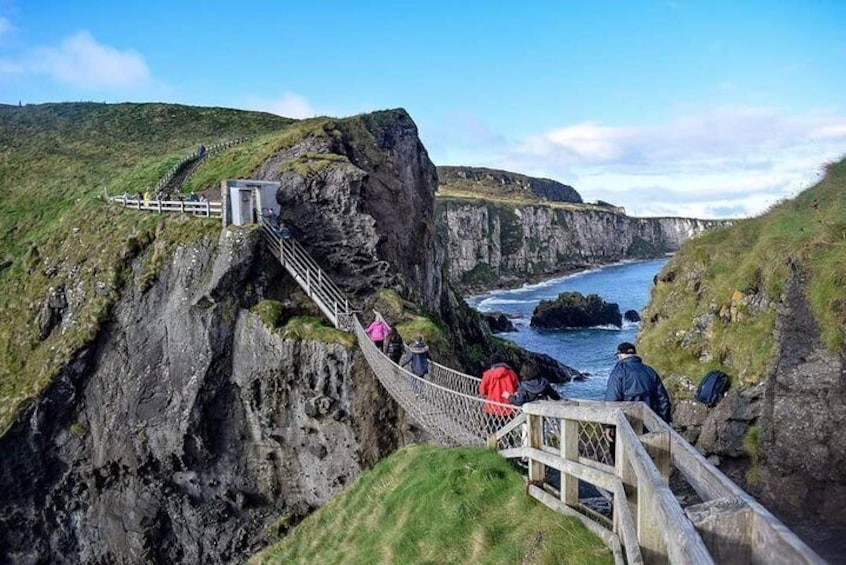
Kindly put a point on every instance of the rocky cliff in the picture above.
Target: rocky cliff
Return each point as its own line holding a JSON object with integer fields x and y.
{"x": 765, "y": 302}
{"x": 189, "y": 427}
{"x": 359, "y": 194}
{"x": 781, "y": 437}
{"x": 500, "y": 244}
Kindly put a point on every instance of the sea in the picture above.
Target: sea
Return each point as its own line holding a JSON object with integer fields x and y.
{"x": 590, "y": 350}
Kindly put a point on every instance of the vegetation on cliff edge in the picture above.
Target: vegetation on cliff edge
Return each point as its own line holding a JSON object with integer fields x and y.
{"x": 714, "y": 303}
{"x": 430, "y": 505}
{"x": 56, "y": 162}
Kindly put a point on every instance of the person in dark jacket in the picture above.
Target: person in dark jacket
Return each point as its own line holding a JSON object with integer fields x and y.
{"x": 532, "y": 387}
{"x": 394, "y": 346}
{"x": 631, "y": 379}
{"x": 419, "y": 361}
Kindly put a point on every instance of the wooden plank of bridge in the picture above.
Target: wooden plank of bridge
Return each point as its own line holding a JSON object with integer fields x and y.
{"x": 579, "y": 471}
{"x": 774, "y": 544}
{"x": 628, "y": 480}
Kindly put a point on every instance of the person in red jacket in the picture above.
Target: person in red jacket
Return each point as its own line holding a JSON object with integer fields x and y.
{"x": 498, "y": 384}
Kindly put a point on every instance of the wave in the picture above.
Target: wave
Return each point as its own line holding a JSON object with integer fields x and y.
{"x": 604, "y": 327}
{"x": 488, "y": 302}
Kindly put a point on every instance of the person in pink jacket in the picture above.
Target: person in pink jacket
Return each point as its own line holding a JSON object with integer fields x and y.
{"x": 378, "y": 331}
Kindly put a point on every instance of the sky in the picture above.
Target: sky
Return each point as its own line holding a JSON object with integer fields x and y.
{"x": 707, "y": 109}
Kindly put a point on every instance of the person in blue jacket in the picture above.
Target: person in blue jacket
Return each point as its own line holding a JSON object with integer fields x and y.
{"x": 631, "y": 379}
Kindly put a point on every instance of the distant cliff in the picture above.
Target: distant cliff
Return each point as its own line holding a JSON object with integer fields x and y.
{"x": 497, "y": 244}
{"x": 480, "y": 180}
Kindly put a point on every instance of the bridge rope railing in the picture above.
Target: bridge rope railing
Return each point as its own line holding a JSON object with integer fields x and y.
{"x": 446, "y": 403}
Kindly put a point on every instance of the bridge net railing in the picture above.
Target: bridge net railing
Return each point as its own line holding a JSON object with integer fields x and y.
{"x": 452, "y": 417}
{"x": 446, "y": 402}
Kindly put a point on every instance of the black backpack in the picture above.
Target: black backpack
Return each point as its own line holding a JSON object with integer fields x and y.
{"x": 712, "y": 388}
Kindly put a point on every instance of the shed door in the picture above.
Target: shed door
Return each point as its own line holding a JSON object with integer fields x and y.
{"x": 246, "y": 206}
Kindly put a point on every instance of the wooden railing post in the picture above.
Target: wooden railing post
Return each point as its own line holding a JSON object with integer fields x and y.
{"x": 625, "y": 472}
{"x": 657, "y": 445}
{"x": 569, "y": 452}
{"x": 537, "y": 471}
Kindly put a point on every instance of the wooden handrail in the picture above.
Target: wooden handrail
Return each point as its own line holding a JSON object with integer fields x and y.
{"x": 648, "y": 520}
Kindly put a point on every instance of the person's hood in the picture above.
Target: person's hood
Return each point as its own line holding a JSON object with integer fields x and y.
{"x": 535, "y": 386}
{"x": 418, "y": 348}
{"x": 500, "y": 370}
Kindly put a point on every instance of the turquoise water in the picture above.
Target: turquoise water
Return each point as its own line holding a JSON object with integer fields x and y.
{"x": 588, "y": 350}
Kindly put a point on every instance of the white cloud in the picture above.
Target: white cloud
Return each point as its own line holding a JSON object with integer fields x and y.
{"x": 290, "y": 105}
{"x": 711, "y": 163}
{"x": 82, "y": 62}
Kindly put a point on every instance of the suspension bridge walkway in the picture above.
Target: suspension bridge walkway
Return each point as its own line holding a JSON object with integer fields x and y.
{"x": 698, "y": 517}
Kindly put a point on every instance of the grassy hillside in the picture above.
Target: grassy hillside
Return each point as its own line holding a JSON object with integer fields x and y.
{"x": 56, "y": 160}
{"x": 714, "y": 304}
{"x": 491, "y": 185}
{"x": 429, "y": 505}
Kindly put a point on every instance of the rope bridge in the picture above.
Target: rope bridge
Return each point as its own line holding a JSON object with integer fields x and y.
{"x": 446, "y": 404}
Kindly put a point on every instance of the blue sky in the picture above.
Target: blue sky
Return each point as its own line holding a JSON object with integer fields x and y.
{"x": 708, "y": 109}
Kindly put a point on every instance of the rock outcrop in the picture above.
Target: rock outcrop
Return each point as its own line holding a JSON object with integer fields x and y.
{"x": 359, "y": 194}
{"x": 574, "y": 310}
{"x": 801, "y": 470}
{"x": 782, "y": 438}
{"x": 498, "y": 322}
{"x": 492, "y": 244}
{"x": 631, "y": 316}
{"x": 190, "y": 427}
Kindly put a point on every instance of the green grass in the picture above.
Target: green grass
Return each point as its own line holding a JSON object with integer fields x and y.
{"x": 714, "y": 274}
{"x": 269, "y": 312}
{"x": 56, "y": 161}
{"x": 315, "y": 329}
{"x": 430, "y": 505}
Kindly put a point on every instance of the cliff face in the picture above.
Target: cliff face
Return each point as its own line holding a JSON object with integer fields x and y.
{"x": 190, "y": 427}
{"x": 359, "y": 194}
{"x": 500, "y": 244}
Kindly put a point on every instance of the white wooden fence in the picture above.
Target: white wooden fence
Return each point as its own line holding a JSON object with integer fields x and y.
{"x": 208, "y": 209}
